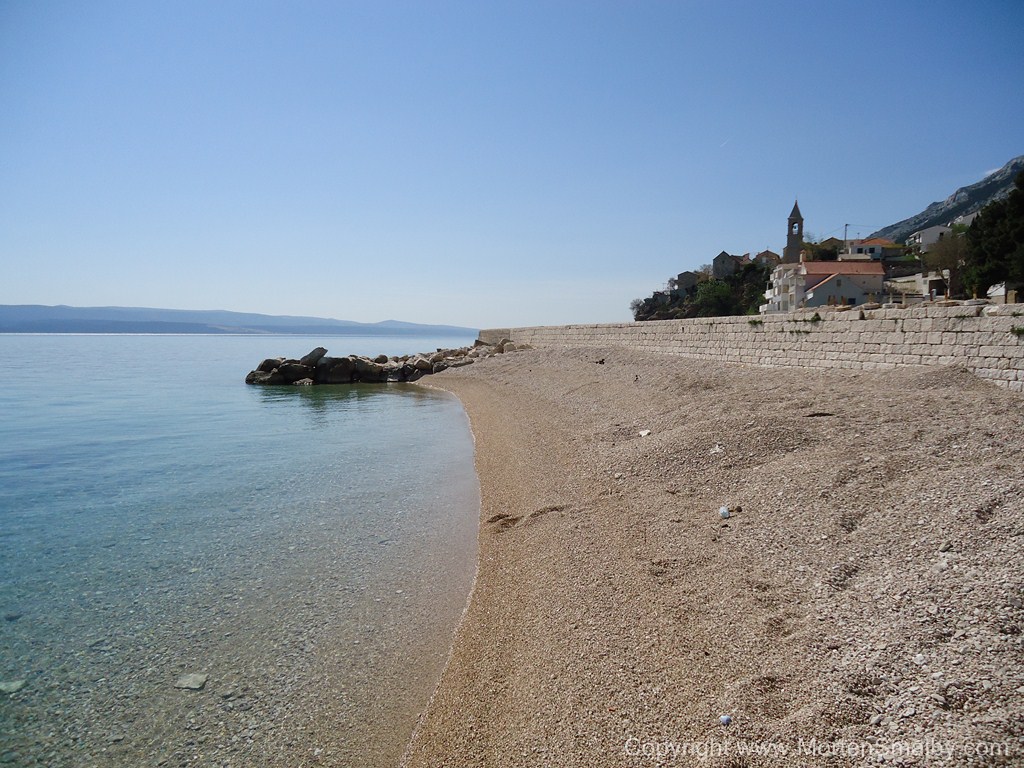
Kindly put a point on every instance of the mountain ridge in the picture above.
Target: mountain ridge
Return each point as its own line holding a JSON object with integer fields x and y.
{"x": 963, "y": 201}
{"x": 63, "y": 318}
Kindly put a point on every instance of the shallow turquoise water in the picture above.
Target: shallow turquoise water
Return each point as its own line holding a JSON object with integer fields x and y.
{"x": 158, "y": 516}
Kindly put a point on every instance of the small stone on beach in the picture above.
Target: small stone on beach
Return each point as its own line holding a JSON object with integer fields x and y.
{"x": 194, "y": 681}
{"x": 12, "y": 686}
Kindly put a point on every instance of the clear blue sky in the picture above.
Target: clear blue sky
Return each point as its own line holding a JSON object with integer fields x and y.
{"x": 473, "y": 163}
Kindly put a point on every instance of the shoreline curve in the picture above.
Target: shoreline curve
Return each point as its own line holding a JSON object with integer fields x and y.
{"x": 861, "y": 591}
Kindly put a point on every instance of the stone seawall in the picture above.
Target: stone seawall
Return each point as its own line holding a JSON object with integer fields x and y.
{"x": 986, "y": 340}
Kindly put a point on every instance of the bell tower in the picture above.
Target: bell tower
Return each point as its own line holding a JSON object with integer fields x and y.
{"x": 795, "y": 237}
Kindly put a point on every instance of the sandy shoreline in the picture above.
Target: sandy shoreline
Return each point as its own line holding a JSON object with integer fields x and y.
{"x": 867, "y": 596}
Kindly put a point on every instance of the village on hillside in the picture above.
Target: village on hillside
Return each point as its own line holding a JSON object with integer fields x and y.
{"x": 833, "y": 273}
{"x": 843, "y": 273}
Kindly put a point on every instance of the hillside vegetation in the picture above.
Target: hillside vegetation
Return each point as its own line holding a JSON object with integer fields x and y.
{"x": 740, "y": 293}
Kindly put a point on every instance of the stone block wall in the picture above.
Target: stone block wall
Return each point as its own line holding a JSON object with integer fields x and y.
{"x": 987, "y": 340}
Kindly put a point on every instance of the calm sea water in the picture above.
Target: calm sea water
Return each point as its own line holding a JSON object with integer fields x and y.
{"x": 309, "y": 549}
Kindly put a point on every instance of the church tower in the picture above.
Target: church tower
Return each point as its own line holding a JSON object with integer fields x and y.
{"x": 794, "y": 238}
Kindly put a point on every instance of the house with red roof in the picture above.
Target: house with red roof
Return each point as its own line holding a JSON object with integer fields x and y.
{"x": 855, "y": 278}
{"x": 823, "y": 284}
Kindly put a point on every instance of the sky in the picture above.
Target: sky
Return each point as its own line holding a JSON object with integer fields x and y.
{"x": 484, "y": 164}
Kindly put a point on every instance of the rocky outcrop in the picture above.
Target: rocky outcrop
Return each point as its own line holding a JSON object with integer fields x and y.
{"x": 319, "y": 368}
{"x": 965, "y": 200}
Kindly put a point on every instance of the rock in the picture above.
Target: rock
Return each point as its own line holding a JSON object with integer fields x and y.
{"x": 313, "y": 357}
{"x": 723, "y": 512}
{"x": 421, "y": 363}
{"x": 335, "y": 370}
{"x": 14, "y": 616}
{"x": 269, "y": 364}
{"x": 12, "y": 686}
{"x": 644, "y": 432}
{"x": 876, "y": 719}
{"x": 920, "y": 660}
{"x": 381, "y": 359}
{"x": 193, "y": 681}
{"x": 725, "y": 719}
{"x": 303, "y": 383}
{"x": 368, "y": 370}
{"x": 262, "y": 377}
{"x": 292, "y": 370}
{"x": 392, "y": 371}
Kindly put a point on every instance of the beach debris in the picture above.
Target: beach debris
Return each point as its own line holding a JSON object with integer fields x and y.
{"x": 717, "y": 449}
{"x": 599, "y": 362}
{"x": 725, "y": 720}
{"x": 724, "y": 513}
{"x": 644, "y": 432}
{"x": 193, "y": 681}
{"x": 11, "y": 686}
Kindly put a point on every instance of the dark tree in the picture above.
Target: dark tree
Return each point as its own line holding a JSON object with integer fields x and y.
{"x": 995, "y": 243}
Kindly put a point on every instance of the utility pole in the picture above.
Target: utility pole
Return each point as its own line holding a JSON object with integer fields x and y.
{"x": 846, "y": 245}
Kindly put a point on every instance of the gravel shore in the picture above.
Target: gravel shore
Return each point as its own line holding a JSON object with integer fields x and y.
{"x": 861, "y": 603}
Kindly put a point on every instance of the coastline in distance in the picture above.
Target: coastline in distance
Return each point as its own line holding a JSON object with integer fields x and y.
{"x": 37, "y": 318}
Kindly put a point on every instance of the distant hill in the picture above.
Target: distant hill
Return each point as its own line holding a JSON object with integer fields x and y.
{"x": 37, "y": 318}
{"x": 965, "y": 200}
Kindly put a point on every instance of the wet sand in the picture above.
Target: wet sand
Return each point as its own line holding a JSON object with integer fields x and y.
{"x": 864, "y": 594}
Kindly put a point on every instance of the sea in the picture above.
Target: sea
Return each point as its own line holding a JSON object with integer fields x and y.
{"x": 198, "y": 572}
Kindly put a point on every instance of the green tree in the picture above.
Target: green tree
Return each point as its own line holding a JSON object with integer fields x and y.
{"x": 738, "y": 294}
{"x": 714, "y": 299}
{"x": 995, "y": 243}
{"x": 949, "y": 253}
{"x": 817, "y": 251}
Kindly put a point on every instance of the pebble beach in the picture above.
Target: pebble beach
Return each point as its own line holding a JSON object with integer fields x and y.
{"x": 688, "y": 563}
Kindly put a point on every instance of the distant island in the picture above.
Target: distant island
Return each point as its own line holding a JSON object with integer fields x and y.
{"x": 38, "y": 318}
